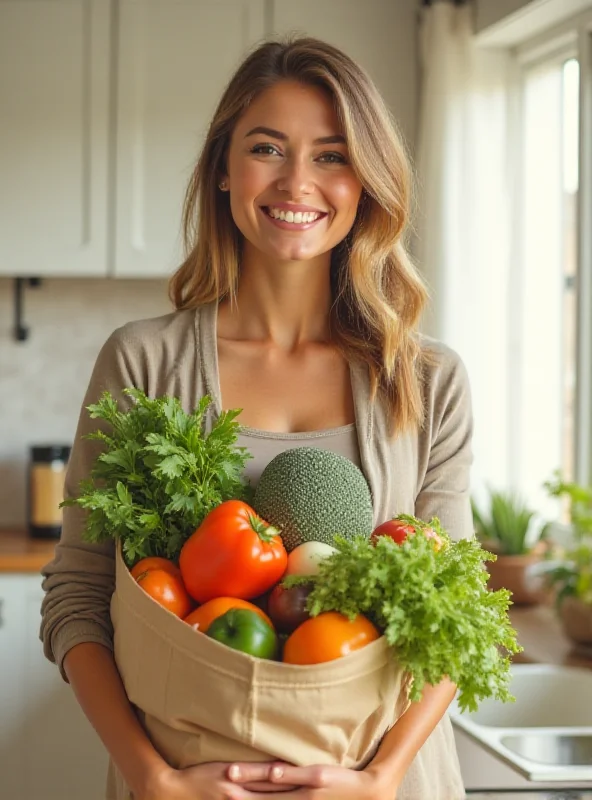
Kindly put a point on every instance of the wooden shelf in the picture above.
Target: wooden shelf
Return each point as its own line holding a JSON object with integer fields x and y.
{"x": 20, "y": 553}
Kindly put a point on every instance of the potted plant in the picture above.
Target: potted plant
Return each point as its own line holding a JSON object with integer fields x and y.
{"x": 506, "y": 529}
{"x": 570, "y": 573}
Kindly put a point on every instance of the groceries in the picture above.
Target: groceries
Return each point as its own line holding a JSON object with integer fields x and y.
{"x": 319, "y": 582}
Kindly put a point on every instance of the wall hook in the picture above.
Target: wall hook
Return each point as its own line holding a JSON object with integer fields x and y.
{"x": 21, "y": 331}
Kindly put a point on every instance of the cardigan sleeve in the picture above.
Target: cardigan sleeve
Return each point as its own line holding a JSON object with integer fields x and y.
{"x": 445, "y": 489}
{"x": 79, "y": 582}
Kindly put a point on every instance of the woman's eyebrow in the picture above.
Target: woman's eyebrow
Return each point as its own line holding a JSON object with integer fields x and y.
{"x": 334, "y": 139}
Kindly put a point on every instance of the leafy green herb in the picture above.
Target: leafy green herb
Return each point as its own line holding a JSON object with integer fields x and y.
{"x": 432, "y": 605}
{"x": 160, "y": 474}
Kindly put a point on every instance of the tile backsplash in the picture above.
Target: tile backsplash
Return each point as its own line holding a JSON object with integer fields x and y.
{"x": 43, "y": 379}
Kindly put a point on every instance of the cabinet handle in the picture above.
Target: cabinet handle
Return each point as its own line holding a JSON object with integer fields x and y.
{"x": 1, "y": 609}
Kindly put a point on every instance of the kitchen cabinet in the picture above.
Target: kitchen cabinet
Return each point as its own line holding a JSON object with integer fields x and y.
{"x": 48, "y": 749}
{"x": 54, "y": 96}
{"x": 174, "y": 59}
{"x": 104, "y": 108}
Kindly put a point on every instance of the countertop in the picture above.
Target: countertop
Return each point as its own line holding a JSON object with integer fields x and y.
{"x": 20, "y": 553}
{"x": 539, "y": 631}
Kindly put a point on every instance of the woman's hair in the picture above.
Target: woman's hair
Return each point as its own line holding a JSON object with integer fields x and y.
{"x": 377, "y": 294}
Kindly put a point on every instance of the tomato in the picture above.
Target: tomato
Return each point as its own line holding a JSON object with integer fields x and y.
{"x": 154, "y": 562}
{"x": 244, "y": 630}
{"x": 233, "y": 553}
{"x": 166, "y": 589}
{"x": 395, "y": 529}
{"x": 398, "y": 530}
{"x": 329, "y": 636}
{"x": 203, "y": 616}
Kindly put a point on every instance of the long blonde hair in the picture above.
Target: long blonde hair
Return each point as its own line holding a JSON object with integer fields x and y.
{"x": 378, "y": 295}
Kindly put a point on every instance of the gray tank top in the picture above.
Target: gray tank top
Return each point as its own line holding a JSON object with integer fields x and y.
{"x": 265, "y": 445}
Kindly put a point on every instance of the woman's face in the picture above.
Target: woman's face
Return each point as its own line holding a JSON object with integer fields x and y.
{"x": 293, "y": 193}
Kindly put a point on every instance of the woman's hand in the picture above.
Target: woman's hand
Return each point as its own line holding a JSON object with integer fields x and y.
{"x": 213, "y": 781}
{"x": 316, "y": 783}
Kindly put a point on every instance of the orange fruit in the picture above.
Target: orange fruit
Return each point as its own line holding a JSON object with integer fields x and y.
{"x": 328, "y": 636}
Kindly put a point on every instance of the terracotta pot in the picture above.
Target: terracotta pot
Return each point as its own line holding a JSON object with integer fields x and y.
{"x": 511, "y": 572}
{"x": 576, "y": 618}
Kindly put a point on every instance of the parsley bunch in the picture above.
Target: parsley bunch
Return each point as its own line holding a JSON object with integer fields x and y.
{"x": 160, "y": 474}
{"x": 432, "y": 605}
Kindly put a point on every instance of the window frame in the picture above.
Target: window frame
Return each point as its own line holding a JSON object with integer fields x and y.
{"x": 570, "y": 39}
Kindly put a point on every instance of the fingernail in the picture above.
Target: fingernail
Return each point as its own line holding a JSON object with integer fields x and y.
{"x": 234, "y": 772}
{"x": 276, "y": 773}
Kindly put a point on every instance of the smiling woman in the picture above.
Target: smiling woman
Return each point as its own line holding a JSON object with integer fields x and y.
{"x": 298, "y": 304}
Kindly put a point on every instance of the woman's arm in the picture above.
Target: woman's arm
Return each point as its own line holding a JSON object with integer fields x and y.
{"x": 94, "y": 677}
{"x": 404, "y": 740}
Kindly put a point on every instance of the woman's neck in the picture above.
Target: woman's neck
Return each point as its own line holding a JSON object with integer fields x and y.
{"x": 285, "y": 304}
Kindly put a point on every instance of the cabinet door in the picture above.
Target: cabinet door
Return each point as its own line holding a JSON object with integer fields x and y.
{"x": 54, "y": 101}
{"x": 48, "y": 749}
{"x": 175, "y": 57}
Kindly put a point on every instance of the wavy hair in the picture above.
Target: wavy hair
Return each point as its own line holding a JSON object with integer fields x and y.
{"x": 377, "y": 294}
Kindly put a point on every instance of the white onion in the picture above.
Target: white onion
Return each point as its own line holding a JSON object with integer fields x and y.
{"x": 305, "y": 559}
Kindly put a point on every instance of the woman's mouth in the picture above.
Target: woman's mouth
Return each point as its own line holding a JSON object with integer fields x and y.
{"x": 292, "y": 220}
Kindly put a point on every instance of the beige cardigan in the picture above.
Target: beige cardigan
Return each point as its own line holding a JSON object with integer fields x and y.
{"x": 424, "y": 473}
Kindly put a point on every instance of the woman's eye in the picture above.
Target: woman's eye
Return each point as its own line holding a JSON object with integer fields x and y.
{"x": 332, "y": 158}
{"x": 265, "y": 149}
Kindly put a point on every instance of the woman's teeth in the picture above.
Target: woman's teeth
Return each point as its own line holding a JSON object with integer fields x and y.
{"x": 297, "y": 217}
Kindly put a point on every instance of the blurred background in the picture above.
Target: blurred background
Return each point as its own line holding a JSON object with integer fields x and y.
{"x": 103, "y": 108}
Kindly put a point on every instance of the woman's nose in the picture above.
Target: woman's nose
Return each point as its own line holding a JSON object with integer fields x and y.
{"x": 296, "y": 178}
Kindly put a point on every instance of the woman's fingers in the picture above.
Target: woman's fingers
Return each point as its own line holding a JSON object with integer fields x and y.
{"x": 253, "y": 772}
{"x": 265, "y": 786}
{"x": 315, "y": 777}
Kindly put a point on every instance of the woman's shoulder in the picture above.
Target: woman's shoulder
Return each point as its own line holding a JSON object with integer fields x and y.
{"x": 439, "y": 360}
{"x": 144, "y": 334}
{"x": 444, "y": 376}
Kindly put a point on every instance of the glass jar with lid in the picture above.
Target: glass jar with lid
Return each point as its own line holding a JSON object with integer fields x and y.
{"x": 47, "y": 470}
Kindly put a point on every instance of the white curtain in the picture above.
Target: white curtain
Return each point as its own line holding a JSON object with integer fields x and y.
{"x": 463, "y": 247}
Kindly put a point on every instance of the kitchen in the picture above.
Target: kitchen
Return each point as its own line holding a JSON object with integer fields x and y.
{"x": 104, "y": 106}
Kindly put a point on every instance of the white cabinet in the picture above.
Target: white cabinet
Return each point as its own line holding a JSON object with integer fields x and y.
{"x": 48, "y": 749}
{"x": 54, "y": 103}
{"x": 174, "y": 60}
{"x": 102, "y": 120}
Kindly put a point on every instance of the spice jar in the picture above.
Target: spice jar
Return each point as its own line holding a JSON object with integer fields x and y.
{"x": 47, "y": 470}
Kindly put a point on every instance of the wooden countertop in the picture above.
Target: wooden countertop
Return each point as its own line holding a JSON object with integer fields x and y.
{"x": 20, "y": 553}
{"x": 540, "y": 634}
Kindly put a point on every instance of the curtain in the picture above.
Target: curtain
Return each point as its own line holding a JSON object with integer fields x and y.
{"x": 463, "y": 228}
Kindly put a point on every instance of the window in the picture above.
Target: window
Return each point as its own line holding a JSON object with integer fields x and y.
{"x": 545, "y": 360}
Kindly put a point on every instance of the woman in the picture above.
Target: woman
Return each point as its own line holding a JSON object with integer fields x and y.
{"x": 297, "y": 303}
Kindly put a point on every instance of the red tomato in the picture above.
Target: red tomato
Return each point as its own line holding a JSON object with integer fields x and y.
{"x": 166, "y": 589}
{"x": 202, "y": 617}
{"x": 395, "y": 529}
{"x": 233, "y": 553}
{"x": 329, "y": 636}
{"x": 154, "y": 562}
{"x": 398, "y": 530}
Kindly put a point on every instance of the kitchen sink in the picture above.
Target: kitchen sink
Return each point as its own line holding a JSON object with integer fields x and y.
{"x": 546, "y": 735}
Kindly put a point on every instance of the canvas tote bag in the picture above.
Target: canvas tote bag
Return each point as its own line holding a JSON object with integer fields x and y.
{"x": 201, "y": 701}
